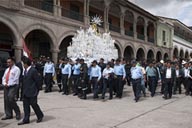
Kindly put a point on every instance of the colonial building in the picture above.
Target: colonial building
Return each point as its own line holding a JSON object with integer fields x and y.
{"x": 47, "y": 26}
{"x": 182, "y": 39}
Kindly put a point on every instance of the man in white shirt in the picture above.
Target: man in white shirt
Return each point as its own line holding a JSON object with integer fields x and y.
{"x": 108, "y": 75}
{"x": 169, "y": 79}
{"x": 10, "y": 81}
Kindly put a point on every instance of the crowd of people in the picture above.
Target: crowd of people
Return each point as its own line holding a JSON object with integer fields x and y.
{"x": 24, "y": 80}
{"x": 78, "y": 78}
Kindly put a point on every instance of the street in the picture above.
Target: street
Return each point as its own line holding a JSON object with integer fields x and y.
{"x": 71, "y": 112}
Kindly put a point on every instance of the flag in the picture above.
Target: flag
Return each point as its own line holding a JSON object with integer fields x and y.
{"x": 26, "y": 51}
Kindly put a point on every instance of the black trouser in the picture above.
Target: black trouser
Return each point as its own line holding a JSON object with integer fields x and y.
{"x": 136, "y": 84}
{"x": 48, "y": 82}
{"x": 187, "y": 84}
{"x": 59, "y": 81}
{"x": 95, "y": 84}
{"x": 119, "y": 86}
{"x": 152, "y": 85}
{"x": 31, "y": 101}
{"x": 177, "y": 85}
{"x": 20, "y": 90}
{"x": 10, "y": 102}
{"x": 168, "y": 87}
{"x": 65, "y": 83}
{"x": 107, "y": 83}
{"x": 82, "y": 88}
{"x": 76, "y": 81}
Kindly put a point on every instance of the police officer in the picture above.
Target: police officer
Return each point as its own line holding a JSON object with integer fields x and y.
{"x": 76, "y": 76}
{"x": 83, "y": 80}
{"x": 58, "y": 71}
{"x": 119, "y": 74}
{"x": 151, "y": 78}
{"x": 136, "y": 76}
{"x": 95, "y": 76}
{"x": 48, "y": 73}
{"x": 66, "y": 74}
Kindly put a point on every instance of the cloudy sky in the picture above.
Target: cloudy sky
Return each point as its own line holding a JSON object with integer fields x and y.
{"x": 178, "y": 9}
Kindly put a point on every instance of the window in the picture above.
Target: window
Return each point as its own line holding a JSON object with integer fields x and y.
{"x": 164, "y": 35}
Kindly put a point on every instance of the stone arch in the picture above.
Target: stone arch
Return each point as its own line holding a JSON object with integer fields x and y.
{"x": 186, "y": 54}
{"x": 129, "y": 52}
{"x": 44, "y": 28}
{"x": 158, "y": 56}
{"x": 166, "y": 56}
{"x": 175, "y": 52}
{"x": 39, "y": 43}
{"x": 140, "y": 55}
{"x": 64, "y": 44}
{"x": 64, "y": 35}
{"x": 150, "y": 55}
{"x": 13, "y": 27}
{"x": 181, "y": 54}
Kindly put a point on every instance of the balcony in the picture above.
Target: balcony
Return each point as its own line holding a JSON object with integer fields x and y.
{"x": 140, "y": 36}
{"x": 129, "y": 33}
{"x": 183, "y": 36}
{"x": 45, "y": 6}
{"x": 114, "y": 28}
{"x": 151, "y": 39}
{"x": 72, "y": 15}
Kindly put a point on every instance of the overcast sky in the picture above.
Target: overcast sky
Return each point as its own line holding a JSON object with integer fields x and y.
{"x": 178, "y": 9}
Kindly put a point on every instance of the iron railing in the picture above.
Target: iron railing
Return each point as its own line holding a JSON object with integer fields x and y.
{"x": 129, "y": 33}
{"x": 140, "y": 36}
{"x": 114, "y": 28}
{"x": 42, "y": 5}
{"x": 72, "y": 15}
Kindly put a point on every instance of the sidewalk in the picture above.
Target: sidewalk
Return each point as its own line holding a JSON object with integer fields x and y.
{"x": 71, "y": 112}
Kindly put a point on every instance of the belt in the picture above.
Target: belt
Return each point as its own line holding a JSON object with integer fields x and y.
{"x": 151, "y": 76}
{"x": 95, "y": 77}
{"x": 136, "y": 79}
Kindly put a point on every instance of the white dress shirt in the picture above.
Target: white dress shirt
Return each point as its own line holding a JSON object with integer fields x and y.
{"x": 186, "y": 72}
{"x": 168, "y": 74}
{"x": 107, "y": 71}
{"x": 13, "y": 77}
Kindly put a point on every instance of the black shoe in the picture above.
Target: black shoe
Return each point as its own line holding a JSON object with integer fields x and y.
{"x": 63, "y": 93}
{"x": 103, "y": 97}
{"x": 75, "y": 94}
{"x": 164, "y": 97}
{"x": 39, "y": 120}
{"x": 22, "y": 123}
{"x": 18, "y": 117}
{"x": 6, "y": 118}
{"x": 110, "y": 98}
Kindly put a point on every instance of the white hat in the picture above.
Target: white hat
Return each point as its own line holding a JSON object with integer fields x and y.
{"x": 184, "y": 62}
{"x": 162, "y": 61}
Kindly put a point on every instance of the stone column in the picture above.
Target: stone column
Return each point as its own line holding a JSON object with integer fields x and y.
{"x": 86, "y": 13}
{"x": 155, "y": 33}
{"x": 55, "y": 7}
{"x": 55, "y": 55}
{"x": 17, "y": 52}
{"x": 59, "y": 8}
{"x": 145, "y": 30}
{"x": 22, "y": 3}
{"x": 135, "y": 26}
{"x": 106, "y": 22}
{"x": 122, "y": 22}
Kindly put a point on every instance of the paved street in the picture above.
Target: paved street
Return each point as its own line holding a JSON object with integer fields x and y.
{"x": 70, "y": 112}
